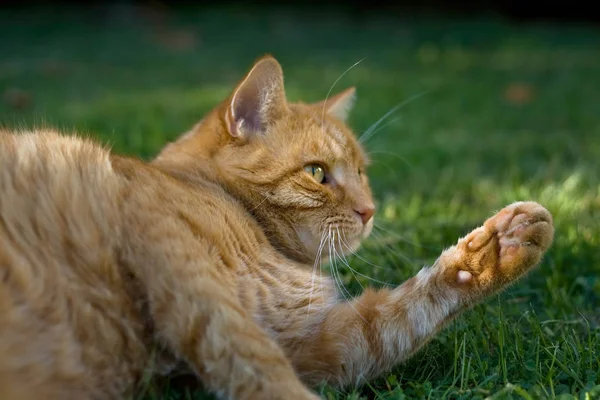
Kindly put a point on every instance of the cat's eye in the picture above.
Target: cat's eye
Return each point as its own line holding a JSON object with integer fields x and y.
{"x": 316, "y": 171}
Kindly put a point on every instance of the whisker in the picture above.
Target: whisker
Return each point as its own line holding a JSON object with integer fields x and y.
{"x": 345, "y": 261}
{"x": 382, "y": 127}
{"x": 381, "y": 239}
{"x": 337, "y": 271}
{"x": 355, "y": 254}
{"x": 369, "y": 132}
{"x": 321, "y": 275}
{"x": 317, "y": 259}
{"x": 386, "y": 165}
{"x": 321, "y": 270}
{"x": 355, "y": 271}
{"x": 331, "y": 89}
{"x": 391, "y": 250}
{"x": 399, "y": 237}
{"x": 259, "y": 204}
{"x": 378, "y": 237}
{"x": 334, "y": 271}
{"x": 403, "y": 159}
{"x": 351, "y": 299}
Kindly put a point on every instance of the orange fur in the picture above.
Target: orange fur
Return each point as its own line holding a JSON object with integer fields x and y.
{"x": 207, "y": 256}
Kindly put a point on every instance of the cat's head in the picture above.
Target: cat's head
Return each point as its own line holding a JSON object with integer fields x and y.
{"x": 296, "y": 167}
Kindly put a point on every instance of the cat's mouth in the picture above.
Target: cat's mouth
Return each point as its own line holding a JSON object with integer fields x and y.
{"x": 334, "y": 239}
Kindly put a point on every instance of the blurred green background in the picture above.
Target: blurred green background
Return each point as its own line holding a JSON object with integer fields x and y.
{"x": 491, "y": 112}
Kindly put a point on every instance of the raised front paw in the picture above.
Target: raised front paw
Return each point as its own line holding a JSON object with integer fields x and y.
{"x": 507, "y": 246}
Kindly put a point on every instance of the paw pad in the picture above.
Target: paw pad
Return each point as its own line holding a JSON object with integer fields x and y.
{"x": 505, "y": 247}
{"x": 464, "y": 276}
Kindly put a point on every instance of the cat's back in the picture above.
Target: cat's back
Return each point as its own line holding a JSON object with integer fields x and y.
{"x": 54, "y": 189}
{"x": 59, "y": 229}
{"x": 45, "y": 164}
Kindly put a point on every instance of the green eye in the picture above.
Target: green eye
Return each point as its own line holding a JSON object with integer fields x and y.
{"x": 316, "y": 171}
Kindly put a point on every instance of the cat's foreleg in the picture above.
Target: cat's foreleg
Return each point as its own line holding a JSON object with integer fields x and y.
{"x": 380, "y": 329}
{"x": 197, "y": 315}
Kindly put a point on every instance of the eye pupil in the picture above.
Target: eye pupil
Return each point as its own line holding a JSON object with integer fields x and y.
{"x": 317, "y": 172}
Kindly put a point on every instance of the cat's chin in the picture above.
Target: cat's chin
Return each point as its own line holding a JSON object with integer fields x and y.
{"x": 355, "y": 241}
{"x": 353, "y": 244}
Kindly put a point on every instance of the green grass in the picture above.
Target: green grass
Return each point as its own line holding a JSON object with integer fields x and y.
{"x": 445, "y": 162}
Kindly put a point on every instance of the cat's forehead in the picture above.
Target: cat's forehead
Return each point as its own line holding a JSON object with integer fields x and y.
{"x": 340, "y": 145}
{"x": 319, "y": 135}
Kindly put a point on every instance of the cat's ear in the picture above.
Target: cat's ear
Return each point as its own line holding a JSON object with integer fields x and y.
{"x": 258, "y": 99}
{"x": 339, "y": 105}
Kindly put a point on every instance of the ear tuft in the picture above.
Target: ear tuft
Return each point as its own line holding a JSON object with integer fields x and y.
{"x": 339, "y": 105}
{"x": 258, "y": 99}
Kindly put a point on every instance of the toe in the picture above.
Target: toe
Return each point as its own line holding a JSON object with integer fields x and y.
{"x": 478, "y": 238}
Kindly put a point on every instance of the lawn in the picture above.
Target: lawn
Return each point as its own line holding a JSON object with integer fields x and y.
{"x": 490, "y": 113}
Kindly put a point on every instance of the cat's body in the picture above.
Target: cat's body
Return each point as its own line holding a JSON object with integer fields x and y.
{"x": 209, "y": 255}
{"x": 81, "y": 243}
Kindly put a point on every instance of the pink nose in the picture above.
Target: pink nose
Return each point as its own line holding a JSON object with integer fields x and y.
{"x": 365, "y": 213}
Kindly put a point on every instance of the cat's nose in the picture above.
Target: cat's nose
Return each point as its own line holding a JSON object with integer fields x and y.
{"x": 365, "y": 212}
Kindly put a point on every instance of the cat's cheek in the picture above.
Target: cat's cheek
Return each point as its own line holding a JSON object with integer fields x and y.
{"x": 308, "y": 240}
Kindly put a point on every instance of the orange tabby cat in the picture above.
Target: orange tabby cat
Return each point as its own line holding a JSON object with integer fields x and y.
{"x": 206, "y": 256}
